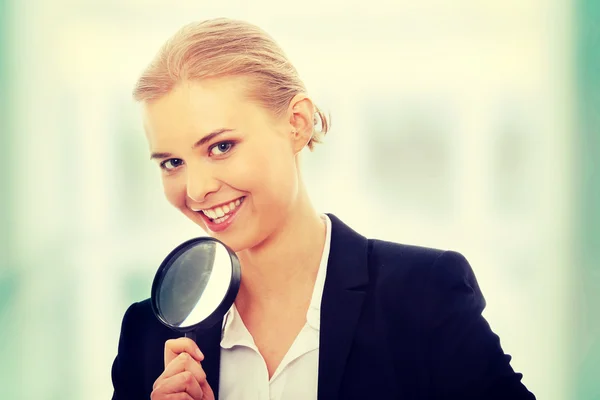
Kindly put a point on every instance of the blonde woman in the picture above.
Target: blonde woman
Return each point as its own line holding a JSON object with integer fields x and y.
{"x": 322, "y": 312}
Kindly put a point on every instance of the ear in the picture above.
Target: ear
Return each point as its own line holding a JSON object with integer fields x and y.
{"x": 301, "y": 113}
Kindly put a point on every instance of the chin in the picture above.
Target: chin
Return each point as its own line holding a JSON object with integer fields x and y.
{"x": 236, "y": 241}
{"x": 235, "y": 238}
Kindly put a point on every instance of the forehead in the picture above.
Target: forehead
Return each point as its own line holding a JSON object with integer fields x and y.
{"x": 195, "y": 108}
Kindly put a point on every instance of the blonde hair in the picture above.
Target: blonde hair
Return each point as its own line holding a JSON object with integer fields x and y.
{"x": 225, "y": 47}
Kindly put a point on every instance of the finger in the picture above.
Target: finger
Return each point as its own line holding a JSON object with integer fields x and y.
{"x": 183, "y": 362}
{"x": 178, "y": 396}
{"x": 183, "y": 382}
{"x": 207, "y": 391}
{"x": 171, "y": 396}
{"x": 174, "y": 347}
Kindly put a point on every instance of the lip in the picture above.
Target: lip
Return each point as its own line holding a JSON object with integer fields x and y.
{"x": 213, "y": 227}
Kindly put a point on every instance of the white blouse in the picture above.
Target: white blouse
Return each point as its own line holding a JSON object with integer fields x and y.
{"x": 244, "y": 375}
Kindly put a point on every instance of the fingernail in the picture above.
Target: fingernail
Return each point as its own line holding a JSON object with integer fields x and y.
{"x": 199, "y": 353}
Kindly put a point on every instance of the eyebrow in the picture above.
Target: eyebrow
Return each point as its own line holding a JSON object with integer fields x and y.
{"x": 199, "y": 143}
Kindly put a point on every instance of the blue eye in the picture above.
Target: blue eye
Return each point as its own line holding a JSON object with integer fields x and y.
{"x": 221, "y": 148}
{"x": 171, "y": 164}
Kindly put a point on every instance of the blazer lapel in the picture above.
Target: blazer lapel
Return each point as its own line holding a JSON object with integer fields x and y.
{"x": 343, "y": 295}
{"x": 209, "y": 342}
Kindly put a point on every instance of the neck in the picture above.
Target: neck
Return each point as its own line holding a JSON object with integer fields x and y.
{"x": 282, "y": 270}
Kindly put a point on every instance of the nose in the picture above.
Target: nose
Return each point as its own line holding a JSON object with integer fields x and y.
{"x": 200, "y": 183}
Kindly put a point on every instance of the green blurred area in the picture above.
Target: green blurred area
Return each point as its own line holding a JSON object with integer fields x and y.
{"x": 9, "y": 278}
{"x": 586, "y": 345}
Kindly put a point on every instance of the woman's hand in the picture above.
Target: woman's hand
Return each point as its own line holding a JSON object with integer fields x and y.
{"x": 183, "y": 377}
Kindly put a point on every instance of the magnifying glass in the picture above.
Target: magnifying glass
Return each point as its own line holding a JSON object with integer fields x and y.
{"x": 196, "y": 285}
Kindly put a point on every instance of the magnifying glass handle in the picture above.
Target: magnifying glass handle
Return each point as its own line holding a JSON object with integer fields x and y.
{"x": 191, "y": 335}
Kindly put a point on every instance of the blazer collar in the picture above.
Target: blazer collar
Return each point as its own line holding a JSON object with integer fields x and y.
{"x": 343, "y": 295}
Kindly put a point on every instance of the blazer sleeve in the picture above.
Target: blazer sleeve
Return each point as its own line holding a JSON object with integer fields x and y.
{"x": 127, "y": 382}
{"x": 465, "y": 358}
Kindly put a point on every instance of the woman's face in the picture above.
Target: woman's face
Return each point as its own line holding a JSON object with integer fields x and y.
{"x": 225, "y": 161}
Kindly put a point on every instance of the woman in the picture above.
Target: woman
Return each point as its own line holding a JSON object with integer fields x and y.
{"x": 322, "y": 312}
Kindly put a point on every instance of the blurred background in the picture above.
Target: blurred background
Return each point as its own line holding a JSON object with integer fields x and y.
{"x": 466, "y": 124}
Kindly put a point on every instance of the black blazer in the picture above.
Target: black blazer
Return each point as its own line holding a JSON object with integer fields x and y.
{"x": 397, "y": 322}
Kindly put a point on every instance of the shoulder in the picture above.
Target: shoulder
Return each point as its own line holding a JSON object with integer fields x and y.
{"x": 396, "y": 262}
{"x": 139, "y": 357}
{"x": 396, "y": 258}
{"x": 420, "y": 280}
{"x": 140, "y": 322}
{"x": 137, "y": 322}
{"x": 138, "y": 314}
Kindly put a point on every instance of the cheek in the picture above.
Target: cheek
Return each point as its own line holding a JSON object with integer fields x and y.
{"x": 278, "y": 181}
{"x": 175, "y": 191}
{"x": 266, "y": 170}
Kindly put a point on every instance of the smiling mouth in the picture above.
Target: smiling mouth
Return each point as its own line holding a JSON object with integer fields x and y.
{"x": 222, "y": 213}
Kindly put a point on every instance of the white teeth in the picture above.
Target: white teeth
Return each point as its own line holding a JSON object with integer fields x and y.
{"x": 220, "y": 214}
{"x": 222, "y": 219}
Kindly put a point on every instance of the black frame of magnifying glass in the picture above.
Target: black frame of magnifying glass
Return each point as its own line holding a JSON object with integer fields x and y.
{"x": 221, "y": 310}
